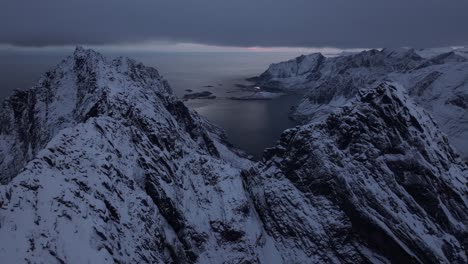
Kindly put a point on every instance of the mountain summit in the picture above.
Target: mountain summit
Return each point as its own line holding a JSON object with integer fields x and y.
{"x": 113, "y": 168}
{"x": 436, "y": 81}
{"x": 101, "y": 163}
{"x": 374, "y": 182}
{"x": 82, "y": 86}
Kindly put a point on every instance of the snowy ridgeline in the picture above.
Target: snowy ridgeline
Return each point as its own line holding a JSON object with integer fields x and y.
{"x": 101, "y": 163}
{"x": 437, "y": 79}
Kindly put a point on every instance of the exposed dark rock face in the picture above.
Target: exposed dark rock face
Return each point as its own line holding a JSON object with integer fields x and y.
{"x": 438, "y": 83}
{"x": 460, "y": 101}
{"x": 101, "y": 163}
{"x": 425, "y": 83}
{"x": 448, "y": 57}
{"x": 76, "y": 90}
{"x": 110, "y": 162}
{"x": 376, "y": 181}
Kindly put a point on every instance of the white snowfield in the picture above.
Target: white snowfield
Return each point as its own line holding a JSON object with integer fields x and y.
{"x": 437, "y": 79}
{"x": 101, "y": 163}
{"x": 128, "y": 174}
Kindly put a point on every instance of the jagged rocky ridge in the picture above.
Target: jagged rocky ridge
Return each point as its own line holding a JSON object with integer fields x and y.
{"x": 102, "y": 163}
{"x": 123, "y": 172}
{"x": 437, "y": 81}
{"x": 375, "y": 182}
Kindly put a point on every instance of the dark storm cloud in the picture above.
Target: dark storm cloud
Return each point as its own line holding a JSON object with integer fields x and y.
{"x": 339, "y": 23}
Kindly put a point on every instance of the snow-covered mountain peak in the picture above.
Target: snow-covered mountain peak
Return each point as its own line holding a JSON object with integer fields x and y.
{"x": 436, "y": 79}
{"x": 376, "y": 182}
{"x": 298, "y": 66}
{"x": 82, "y": 86}
{"x": 83, "y": 53}
{"x": 433, "y": 52}
{"x": 401, "y": 53}
{"x": 452, "y": 56}
{"x": 101, "y": 156}
{"x": 101, "y": 163}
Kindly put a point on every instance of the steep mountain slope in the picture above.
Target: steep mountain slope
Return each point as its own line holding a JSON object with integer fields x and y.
{"x": 432, "y": 52}
{"x": 101, "y": 163}
{"x": 80, "y": 87}
{"x": 124, "y": 173}
{"x": 375, "y": 182}
{"x": 438, "y": 83}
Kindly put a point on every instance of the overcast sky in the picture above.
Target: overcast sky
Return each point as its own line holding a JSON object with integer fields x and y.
{"x": 240, "y": 23}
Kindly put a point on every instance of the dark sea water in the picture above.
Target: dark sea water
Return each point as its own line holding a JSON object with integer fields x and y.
{"x": 249, "y": 125}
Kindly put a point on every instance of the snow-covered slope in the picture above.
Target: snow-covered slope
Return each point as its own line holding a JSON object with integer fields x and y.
{"x": 81, "y": 86}
{"x": 375, "y": 182}
{"x": 432, "y": 52}
{"x": 438, "y": 83}
{"x": 101, "y": 163}
{"x": 124, "y": 173}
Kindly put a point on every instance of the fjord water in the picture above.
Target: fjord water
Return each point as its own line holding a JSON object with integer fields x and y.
{"x": 250, "y": 125}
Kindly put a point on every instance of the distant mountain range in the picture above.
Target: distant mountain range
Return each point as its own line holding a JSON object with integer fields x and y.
{"x": 437, "y": 79}
{"x": 101, "y": 163}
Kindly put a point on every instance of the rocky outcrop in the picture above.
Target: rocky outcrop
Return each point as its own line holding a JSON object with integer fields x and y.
{"x": 376, "y": 182}
{"x": 101, "y": 163}
{"x": 80, "y": 87}
{"x": 113, "y": 168}
{"x": 435, "y": 82}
